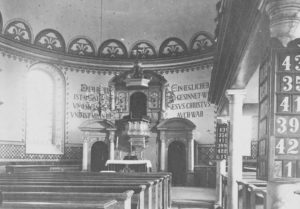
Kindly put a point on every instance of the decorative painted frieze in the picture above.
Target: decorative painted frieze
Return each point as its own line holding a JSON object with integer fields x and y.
{"x": 18, "y": 31}
{"x": 172, "y": 47}
{"x": 112, "y": 49}
{"x": 82, "y": 47}
{"x": 51, "y": 40}
{"x": 143, "y": 50}
{"x": 202, "y": 43}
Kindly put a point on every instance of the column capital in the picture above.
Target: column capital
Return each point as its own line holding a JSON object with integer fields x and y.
{"x": 284, "y": 19}
{"x": 235, "y": 95}
{"x": 111, "y": 136}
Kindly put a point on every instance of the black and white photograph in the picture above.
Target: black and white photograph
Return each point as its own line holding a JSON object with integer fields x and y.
{"x": 150, "y": 104}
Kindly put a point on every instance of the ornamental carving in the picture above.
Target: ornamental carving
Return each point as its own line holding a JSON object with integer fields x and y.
{"x": 172, "y": 47}
{"x": 112, "y": 49}
{"x": 153, "y": 100}
{"x": 18, "y": 31}
{"x": 201, "y": 43}
{"x": 143, "y": 50}
{"x": 51, "y": 40}
{"x": 81, "y": 47}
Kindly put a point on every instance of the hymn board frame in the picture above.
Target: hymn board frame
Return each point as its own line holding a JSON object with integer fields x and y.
{"x": 278, "y": 157}
{"x": 222, "y": 139}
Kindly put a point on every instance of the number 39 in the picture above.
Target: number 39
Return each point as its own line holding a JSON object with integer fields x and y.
{"x": 292, "y": 126}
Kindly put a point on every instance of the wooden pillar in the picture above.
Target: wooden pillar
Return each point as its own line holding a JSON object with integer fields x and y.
{"x": 190, "y": 155}
{"x": 285, "y": 26}
{"x": 85, "y": 154}
{"x": 221, "y": 169}
{"x": 235, "y": 97}
{"x": 162, "y": 151}
{"x": 111, "y": 145}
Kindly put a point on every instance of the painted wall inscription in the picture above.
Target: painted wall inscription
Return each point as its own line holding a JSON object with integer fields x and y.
{"x": 90, "y": 101}
{"x": 190, "y": 99}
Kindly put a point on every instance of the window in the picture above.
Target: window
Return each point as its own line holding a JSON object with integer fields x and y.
{"x": 45, "y": 102}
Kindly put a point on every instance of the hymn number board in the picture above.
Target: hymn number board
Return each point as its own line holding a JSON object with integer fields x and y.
{"x": 286, "y": 143}
{"x": 222, "y": 141}
{"x": 279, "y": 116}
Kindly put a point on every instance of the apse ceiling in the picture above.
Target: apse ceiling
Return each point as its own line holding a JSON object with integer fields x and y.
{"x": 127, "y": 21}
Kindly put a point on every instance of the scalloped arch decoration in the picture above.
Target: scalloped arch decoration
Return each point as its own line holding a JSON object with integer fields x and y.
{"x": 51, "y": 40}
{"x": 201, "y": 43}
{"x": 18, "y": 30}
{"x": 82, "y": 47}
{"x": 112, "y": 49}
{"x": 143, "y": 50}
{"x": 173, "y": 47}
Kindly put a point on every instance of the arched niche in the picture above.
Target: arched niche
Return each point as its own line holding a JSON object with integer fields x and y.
{"x": 177, "y": 130}
{"x": 96, "y": 131}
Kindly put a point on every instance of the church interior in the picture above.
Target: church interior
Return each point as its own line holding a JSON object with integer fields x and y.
{"x": 120, "y": 104}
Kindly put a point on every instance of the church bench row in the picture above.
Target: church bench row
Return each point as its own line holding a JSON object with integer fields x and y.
{"x": 106, "y": 185}
{"x": 252, "y": 192}
{"x": 166, "y": 178}
{"x": 108, "y": 204}
{"x": 123, "y": 199}
{"x": 163, "y": 178}
{"x": 35, "y": 168}
{"x": 106, "y": 191}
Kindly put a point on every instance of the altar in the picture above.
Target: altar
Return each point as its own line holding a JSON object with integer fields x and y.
{"x": 127, "y": 166}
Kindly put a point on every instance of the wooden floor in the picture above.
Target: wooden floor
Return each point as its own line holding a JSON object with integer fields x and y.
{"x": 192, "y": 197}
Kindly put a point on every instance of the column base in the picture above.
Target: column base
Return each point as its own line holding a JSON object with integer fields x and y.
{"x": 190, "y": 178}
{"x": 281, "y": 195}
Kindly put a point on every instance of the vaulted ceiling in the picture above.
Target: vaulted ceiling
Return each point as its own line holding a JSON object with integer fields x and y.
{"x": 128, "y": 21}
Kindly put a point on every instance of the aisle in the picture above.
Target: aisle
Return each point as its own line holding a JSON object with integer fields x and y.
{"x": 192, "y": 197}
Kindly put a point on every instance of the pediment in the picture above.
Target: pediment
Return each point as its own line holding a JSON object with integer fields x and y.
{"x": 176, "y": 124}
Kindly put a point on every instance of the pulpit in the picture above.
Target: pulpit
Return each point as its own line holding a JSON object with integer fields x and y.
{"x": 127, "y": 166}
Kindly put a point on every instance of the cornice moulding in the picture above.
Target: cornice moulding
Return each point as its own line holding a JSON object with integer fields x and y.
{"x": 33, "y": 54}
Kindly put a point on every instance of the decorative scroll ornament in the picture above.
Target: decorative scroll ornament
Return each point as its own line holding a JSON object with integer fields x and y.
{"x": 81, "y": 47}
{"x": 19, "y": 31}
{"x": 172, "y": 47}
{"x": 202, "y": 43}
{"x": 113, "y": 49}
{"x": 153, "y": 99}
{"x": 137, "y": 77}
{"x": 170, "y": 96}
{"x": 51, "y": 40}
{"x": 143, "y": 50}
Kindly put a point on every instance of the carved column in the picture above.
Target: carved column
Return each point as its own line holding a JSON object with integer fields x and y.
{"x": 190, "y": 163}
{"x": 235, "y": 97}
{"x": 284, "y": 25}
{"x": 111, "y": 145}
{"x": 85, "y": 153}
{"x": 191, "y": 155}
{"x": 284, "y": 19}
{"x": 162, "y": 151}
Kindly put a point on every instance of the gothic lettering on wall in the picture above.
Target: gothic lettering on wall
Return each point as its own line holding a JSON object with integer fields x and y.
{"x": 189, "y": 100}
{"x": 91, "y": 102}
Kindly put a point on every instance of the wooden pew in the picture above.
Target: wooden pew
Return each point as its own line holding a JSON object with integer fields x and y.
{"x": 123, "y": 199}
{"x": 138, "y": 197}
{"x": 138, "y": 190}
{"x": 161, "y": 190}
{"x": 164, "y": 179}
{"x": 59, "y": 205}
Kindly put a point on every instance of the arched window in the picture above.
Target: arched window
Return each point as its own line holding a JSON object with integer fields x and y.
{"x": 45, "y": 112}
{"x": 138, "y": 105}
